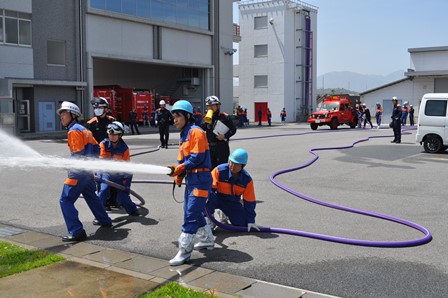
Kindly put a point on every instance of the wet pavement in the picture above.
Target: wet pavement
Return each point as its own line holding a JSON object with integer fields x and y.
{"x": 95, "y": 271}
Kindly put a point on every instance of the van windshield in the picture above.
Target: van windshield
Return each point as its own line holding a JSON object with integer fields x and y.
{"x": 329, "y": 106}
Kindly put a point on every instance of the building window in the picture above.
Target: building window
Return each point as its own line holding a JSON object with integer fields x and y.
{"x": 15, "y": 27}
{"x": 260, "y": 81}
{"x": 56, "y": 52}
{"x": 260, "y": 22}
{"x": 260, "y": 50}
{"x": 191, "y": 13}
{"x": 1, "y": 26}
{"x": 436, "y": 108}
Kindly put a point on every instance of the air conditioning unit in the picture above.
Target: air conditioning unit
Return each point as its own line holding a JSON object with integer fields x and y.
{"x": 195, "y": 81}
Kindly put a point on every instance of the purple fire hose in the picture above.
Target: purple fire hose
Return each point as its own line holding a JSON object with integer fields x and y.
{"x": 395, "y": 244}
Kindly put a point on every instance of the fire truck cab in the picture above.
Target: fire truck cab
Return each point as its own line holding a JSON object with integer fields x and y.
{"x": 332, "y": 111}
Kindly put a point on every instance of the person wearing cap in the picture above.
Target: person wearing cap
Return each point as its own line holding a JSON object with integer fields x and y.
{"x": 193, "y": 164}
{"x": 411, "y": 115}
{"x": 115, "y": 148}
{"x": 219, "y": 143}
{"x": 233, "y": 192}
{"x": 163, "y": 120}
{"x": 82, "y": 145}
{"x": 99, "y": 122}
{"x": 396, "y": 121}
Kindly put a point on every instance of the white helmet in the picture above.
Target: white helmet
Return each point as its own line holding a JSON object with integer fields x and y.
{"x": 394, "y": 98}
{"x": 115, "y": 128}
{"x": 162, "y": 102}
{"x": 212, "y": 100}
{"x": 69, "y": 107}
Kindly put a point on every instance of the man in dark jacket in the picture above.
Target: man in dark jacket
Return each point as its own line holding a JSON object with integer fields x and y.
{"x": 98, "y": 124}
{"x": 218, "y": 142}
{"x": 163, "y": 121}
{"x": 133, "y": 121}
{"x": 396, "y": 120}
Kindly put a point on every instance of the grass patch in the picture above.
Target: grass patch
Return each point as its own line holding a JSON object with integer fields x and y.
{"x": 174, "y": 290}
{"x": 15, "y": 259}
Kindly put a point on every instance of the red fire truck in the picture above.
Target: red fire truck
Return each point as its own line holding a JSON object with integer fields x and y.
{"x": 123, "y": 100}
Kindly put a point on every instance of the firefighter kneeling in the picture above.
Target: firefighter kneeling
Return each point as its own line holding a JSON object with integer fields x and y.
{"x": 231, "y": 182}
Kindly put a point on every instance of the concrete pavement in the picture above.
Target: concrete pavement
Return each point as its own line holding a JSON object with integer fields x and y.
{"x": 95, "y": 271}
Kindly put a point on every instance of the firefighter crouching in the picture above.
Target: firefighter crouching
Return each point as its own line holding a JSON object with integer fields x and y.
{"x": 233, "y": 192}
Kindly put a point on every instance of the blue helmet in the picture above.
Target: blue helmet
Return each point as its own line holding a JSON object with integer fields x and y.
{"x": 182, "y": 105}
{"x": 239, "y": 156}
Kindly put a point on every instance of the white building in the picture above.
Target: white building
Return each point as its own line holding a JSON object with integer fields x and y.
{"x": 277, "y": 58}
{"x": 428, "y": 73}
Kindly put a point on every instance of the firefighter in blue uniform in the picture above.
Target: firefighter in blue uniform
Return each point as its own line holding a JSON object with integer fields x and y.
{"x": 193, "y": 164}
{"x": 82, "y": 145}
{"x": 396, "y": 120}
{"x": 233, "y": 191}
{"x": 115, "y": 148}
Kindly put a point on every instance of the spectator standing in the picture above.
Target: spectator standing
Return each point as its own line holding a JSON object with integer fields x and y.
{"x": 396, "y": 120}
{"x": 411, "y": 115}
{"x": 145, "y": 115}
{"x": 378, "y": 115}
{"x": 163, "y": 120}
{"x": 198, "y": 116}
{"x": 367, "y": 116}
{"x": 133, "y": 121}
{"x": 260, "y": 116}
{"x": 219, "y": 143}
{"x": 283, "y": 116}
{"x": 404, "y": 113}
{"x": 152, "y": 120}
{"x": 269, "y": 115}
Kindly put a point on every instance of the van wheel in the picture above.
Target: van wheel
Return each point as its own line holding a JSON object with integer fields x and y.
{"x": 352, "y": 124}
{"x": 313, "y": 126}
{"x": 432, "y": 144}
{"x": 334, "y": 123}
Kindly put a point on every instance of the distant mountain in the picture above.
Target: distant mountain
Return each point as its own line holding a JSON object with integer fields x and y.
{"x": 356, "y": 81}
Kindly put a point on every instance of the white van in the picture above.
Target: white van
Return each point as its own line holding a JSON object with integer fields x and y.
{"x": 432, "y": 129}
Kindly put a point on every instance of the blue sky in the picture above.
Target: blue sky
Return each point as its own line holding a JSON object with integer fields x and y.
{"x": 373, "y": 36}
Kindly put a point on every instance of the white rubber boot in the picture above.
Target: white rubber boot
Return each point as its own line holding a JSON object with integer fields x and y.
{"x": 206, "y": 239}
{"x": 186, "y": 242}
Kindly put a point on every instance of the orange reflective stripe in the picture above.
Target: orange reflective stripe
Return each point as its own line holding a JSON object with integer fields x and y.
{"x": 200, "y": 193}
{"x": 75, "y": 141}
{"x": 197, "y": 143}
{"x": 71, "y": 182}
{"x": 215, "y": 176}
{"x": 224, "y": 188}
{"x": 249, "y": 193}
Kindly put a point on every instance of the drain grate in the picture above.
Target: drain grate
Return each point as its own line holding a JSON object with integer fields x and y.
{"x": 10, "y": 231}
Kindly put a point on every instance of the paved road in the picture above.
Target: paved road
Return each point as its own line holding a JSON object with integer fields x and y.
{"x": 398, "y": 180}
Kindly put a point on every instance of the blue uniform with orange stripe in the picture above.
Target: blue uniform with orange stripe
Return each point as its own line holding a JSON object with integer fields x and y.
{"x": 120, "y": 153}
{"x": 194, "y": 154}
{"x": 227, "y": 192}
{"x": 81, "y": 144}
